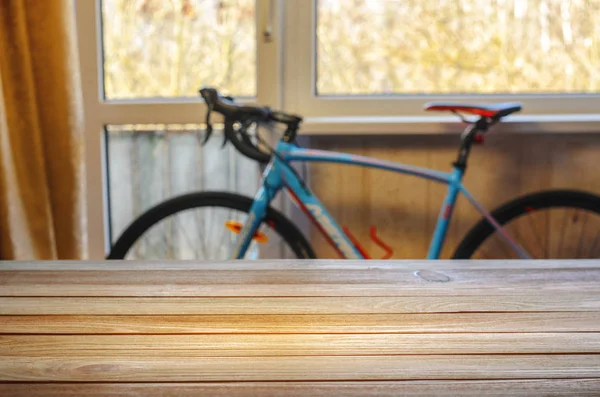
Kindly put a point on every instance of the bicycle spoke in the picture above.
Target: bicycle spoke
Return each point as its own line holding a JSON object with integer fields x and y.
{"x": 520, "y": 240}
{"x": 189, "y": 226}
{"x": 269, "y": 232}
{"x": 210, "y": 226}
{"x": 187, "y": 237}
{"x": 580, "y": 234}
{"x": 273, "y": 250}
{"x": 145, "y": 245}
{"x": 169, "y": 236}
{"x": 562, "y": 233}
{"x": 577, "y": 238}
{"x": 534, "y": 229}
{"x": 165, "y": 242}
{"x": 594, "y": 246}
{"x": 500, "y": 242}
{"x": 223, "y": 235}
{"x": 232, "y": 236}
{"x": 153, "y": 249}
{"x": 201, "y": 236}
{"x": 548, "y": 237}
{"x": 485, "y": 255}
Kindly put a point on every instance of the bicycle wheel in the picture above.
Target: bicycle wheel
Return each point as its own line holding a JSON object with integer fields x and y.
{"x": 557, "y": 224}
{"x": 202, "y": 226}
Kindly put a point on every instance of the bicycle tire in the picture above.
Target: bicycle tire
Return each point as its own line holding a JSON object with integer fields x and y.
{"x": 282, "y": 226}
{"x": 520, "y": 206}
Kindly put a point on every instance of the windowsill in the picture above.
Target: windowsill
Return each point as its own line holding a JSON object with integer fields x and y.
{"x": 567, "y": 123}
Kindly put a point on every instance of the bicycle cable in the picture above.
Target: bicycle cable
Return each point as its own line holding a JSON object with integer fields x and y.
{"x": 285, "y": 163}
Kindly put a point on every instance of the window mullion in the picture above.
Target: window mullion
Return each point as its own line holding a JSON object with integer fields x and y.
{"x": 88, "y": 33}
{"x": 269, "y": 59}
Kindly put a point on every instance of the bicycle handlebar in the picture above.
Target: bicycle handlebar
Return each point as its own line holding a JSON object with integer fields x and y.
{"x": 229, "y": 109}
{"x": 245, "y": 115}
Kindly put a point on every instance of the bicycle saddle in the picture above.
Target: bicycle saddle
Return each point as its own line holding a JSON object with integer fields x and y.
{"x": 495, "y": 111}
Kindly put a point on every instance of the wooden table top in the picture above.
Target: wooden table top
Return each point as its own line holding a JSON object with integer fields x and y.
{"x": 300, "y": 328}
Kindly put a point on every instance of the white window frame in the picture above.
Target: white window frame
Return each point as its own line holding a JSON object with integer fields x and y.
{"x": 100, "y": 112}
{"x": 404, "y": 114}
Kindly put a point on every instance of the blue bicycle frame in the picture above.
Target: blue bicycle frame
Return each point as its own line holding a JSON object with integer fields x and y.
{"x": 279, "y": 175}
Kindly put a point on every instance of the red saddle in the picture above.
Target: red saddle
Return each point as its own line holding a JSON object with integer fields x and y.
{"x": 495, "y": 111}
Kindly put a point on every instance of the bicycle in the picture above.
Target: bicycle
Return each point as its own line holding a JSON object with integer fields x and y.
{"x": 248, "y": 225}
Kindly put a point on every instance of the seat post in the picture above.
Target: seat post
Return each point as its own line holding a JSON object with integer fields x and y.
{"x": 466, "y": 141}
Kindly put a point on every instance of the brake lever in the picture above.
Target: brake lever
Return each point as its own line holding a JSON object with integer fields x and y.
{"x": 209, "y": 127}
{"x": 243, "y": 133}
{"x": 226, "y": 134}
{"x": 231, "y": 128}
{"x": 228, "y": 129}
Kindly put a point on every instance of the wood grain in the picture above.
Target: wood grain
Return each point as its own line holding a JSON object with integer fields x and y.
{"x": 291, "y": 264}
{"x": 549, "y": 302}
{"x": 342, "y": 328}
{"x": 473, "y": 388}
{"x": 507, "y": 166}
{"x": 140, "y": 346}
{"x": 352, "y": 199}
{"x": 206, "y": 369}
{"x": 395, "y": 203}
{"x": 330, "y": 197}
{"x": 305, "y": 324}
{"x": 293, "y": 282}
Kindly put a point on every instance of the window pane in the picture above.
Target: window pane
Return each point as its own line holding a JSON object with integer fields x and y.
{"x": 158, "y": 48}
{"x": 149, "y": 164}
{"x": 458, "y": 46}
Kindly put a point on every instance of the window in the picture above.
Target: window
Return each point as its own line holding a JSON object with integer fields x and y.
{"x": 450, "y": 46}
{"x": 148, "y": 164}
{"x": 157, "y": 48}
{"x": 347, "y": 66}
{"x": 376, "y": 62}
{"x": 142, "y": 63}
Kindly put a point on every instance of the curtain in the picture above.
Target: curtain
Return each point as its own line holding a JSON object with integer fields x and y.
{"x": 41, "y": 123}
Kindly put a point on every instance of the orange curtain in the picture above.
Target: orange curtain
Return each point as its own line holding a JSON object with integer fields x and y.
{"x": 41, "y": 119}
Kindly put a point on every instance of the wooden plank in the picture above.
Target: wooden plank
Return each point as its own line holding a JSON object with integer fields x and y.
{"x": 518, "y": 301}
{"x": 441, "y": 154}
{"x": 197, "y": 369}
{"x": 502, "y": 169}
{"x": 495, "y": 388}
{"x": 535, "y": 171}
{"x": 414, "y": 265}
{"x": 123, "y": 346}
{"x": 493, "y": 178}
{"x": 277, "y": 290}
{"x": 294, "y": 282}
{"x": 396, "y": 203}
{"x": 352, "y": 199}
{"x": 308, "y": 324}
{"x": 328, "y": 193}
{"x": 574, "y": 162}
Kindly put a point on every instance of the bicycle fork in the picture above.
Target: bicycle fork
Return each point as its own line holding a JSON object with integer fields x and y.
{"x": 271, "y": 185}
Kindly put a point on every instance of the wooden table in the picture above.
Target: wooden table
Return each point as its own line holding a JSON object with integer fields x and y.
{"x": 317, "y": 328}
